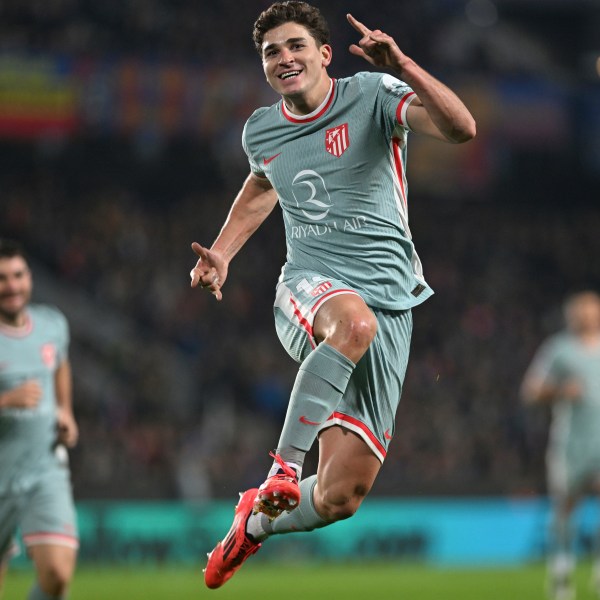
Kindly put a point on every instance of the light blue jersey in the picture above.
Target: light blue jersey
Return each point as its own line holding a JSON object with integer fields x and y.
{"x": 340, "y": 175}
{"x": 28, "y": 436}
{"x": 574, "y": 444}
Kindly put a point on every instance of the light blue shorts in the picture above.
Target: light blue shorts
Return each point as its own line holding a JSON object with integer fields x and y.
{"x": 369, "y": 405}
{"x": 44, "y": 514}
{"x": 573, "y": 467}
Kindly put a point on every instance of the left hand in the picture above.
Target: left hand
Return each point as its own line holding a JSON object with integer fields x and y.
{"x": 68, "y": 432}
{"x": 377, "y": 47}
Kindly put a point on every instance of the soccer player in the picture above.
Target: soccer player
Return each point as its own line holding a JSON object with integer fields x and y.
{"x": 566, "y": 373}
{"x": 333, "y": 153}
{"x": 36, "y": 422}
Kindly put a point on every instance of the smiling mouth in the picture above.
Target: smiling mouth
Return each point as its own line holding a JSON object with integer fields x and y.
{"x": 289, "y": 75}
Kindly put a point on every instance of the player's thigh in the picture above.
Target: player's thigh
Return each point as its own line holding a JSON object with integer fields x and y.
{"x": 53, "y": 563}
{"x": 595, "y": 484}
{"x": 299, "y": 296}
{"x": 568, "y": 477}
{"x": 48, "y": 515}
{"x": 345, "y": 462}
{"x": 591, "y": 469}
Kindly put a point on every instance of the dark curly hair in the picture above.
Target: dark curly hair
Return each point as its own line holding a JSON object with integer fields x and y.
{"x": 285, "y": 12}
{"x": 11, "y": 248}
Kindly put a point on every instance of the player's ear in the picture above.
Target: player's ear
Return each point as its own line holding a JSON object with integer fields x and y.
{"x": 326, "y": 54}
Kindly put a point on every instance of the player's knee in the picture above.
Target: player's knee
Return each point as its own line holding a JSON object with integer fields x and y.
{"x": 363, "y": 329}
{"x": 342, "y": 502}
{"x": 55, "y": 578}
{"x": 356, "y": 333}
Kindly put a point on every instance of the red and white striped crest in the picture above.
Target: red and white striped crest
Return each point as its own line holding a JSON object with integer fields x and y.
{"x": 48, "y": 352}
{"x": 337, "y": 140}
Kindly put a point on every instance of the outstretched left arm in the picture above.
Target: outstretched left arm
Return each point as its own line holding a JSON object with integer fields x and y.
{"x": 437, "y": 111}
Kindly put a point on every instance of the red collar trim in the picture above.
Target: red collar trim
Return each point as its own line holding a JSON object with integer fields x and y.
{"x": 18, "y": 332}
{"x": 295, "y": 119}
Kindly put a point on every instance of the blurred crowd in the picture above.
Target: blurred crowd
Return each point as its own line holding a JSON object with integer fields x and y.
{"x": 178, "y": 396}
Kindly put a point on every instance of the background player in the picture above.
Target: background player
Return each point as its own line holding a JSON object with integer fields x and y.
{"x": 36, "y": 418}
{"x": 333, "y": 153}
{"x": 566, "y": 372}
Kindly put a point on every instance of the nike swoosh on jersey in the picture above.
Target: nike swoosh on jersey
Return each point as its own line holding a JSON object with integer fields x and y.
{"x": 304, "y": 420}
{"x": 387, "y": 434}
{"x": 266, "y": 161}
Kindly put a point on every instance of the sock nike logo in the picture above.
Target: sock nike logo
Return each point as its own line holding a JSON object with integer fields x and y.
{"x": 266, "y": 161}
{"x": 304, "y": 420}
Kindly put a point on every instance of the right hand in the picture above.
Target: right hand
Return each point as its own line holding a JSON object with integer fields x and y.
{"x": 26, "y": 395}
{"x": 377, "y": 48}
{"x": 210, "y": 271}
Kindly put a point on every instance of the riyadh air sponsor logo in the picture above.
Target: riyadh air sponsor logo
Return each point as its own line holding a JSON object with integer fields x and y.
{"x": 337, "y": 140}
{"x": 313, "y": 200}
{"x": 319, "y": 229}
{"x": 311, "y": 195}
{"x": 306, "y": 421}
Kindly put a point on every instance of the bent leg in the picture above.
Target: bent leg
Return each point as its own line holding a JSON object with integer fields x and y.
{"x": 344, "y": 326}
{"x": 346, "y": 472}
{"x": 54, "y": 567}
{"x": 561, "y": 558}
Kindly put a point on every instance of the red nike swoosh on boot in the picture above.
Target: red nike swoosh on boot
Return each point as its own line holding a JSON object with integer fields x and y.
{"x": 266, "y": 161}
{"x": 304, "y": 420}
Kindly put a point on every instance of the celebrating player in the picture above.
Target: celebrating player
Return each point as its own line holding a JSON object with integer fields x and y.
{"x": 36, "y": 422}
{"x": 333, "y": 153}
{"x": 566, "y": 372}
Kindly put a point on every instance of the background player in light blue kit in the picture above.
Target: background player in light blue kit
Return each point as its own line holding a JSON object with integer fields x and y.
{"x": 566, "y": 373}
{"x": 36, "y": 419}
{"x": 333, "y": 153}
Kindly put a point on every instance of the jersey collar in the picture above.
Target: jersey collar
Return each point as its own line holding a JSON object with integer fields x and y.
{"x": 18, "y": 332}
{"x": 315, "y": 114}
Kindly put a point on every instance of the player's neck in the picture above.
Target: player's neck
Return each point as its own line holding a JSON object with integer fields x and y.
{"x": 17, "y": 320}
{"x": 306, "y": 103}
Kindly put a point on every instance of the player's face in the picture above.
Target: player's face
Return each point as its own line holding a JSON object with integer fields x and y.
{"x": 583, "y": 313}
{"x": 15, "y": 287}
{"x": 293, "y": 62}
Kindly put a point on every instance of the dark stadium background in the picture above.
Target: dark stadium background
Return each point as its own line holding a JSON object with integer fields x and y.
{"x": 120, "y": 125}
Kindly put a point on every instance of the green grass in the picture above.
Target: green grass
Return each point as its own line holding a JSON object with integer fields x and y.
{"x": 352, "y": 581}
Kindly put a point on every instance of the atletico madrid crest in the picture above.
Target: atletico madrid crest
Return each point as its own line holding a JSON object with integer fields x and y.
{"x": 48, "y": 352}
{"x": 337, "y": 140}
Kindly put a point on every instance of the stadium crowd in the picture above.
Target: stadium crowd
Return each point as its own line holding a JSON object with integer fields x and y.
{"x": 175, "y": 393}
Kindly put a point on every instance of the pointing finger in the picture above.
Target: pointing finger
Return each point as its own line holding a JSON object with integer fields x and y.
{"x": 362, "y": 29}
{"x": 199, "y": 250}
